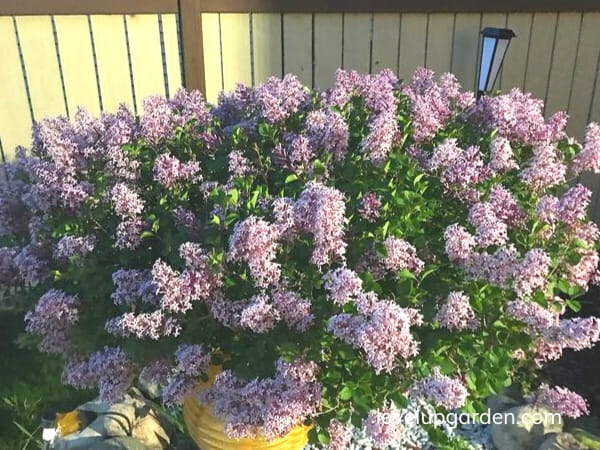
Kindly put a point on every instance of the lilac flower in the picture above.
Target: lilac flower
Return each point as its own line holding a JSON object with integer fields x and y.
{"x": 547, "y": 209}
{"x": 505, "y": 206}
{"x": 187, "y": 220}
{"x": 327, "y": 130}
{"x": 259, "y": 315}
{"x": 156, "y": 122}
{"x": 519, "y": 118}
{"x": 560, "y": 400}
{"x": 53, "y": 320}
{"x": 270, "y": 406}
{"x": 168, "y": 171}
{"x": 177, "y": 389}
{"x": 463, "y": 173}
{"x": 254, "y": 242}
{"x": 490, "y": 229}
{"x": 127, "y": 202}
{"x": 320, "y": 212}
{"x": 239, "y": 165}
{"x": 531, "y": 273}
{"x": 157, "y": 371}
{"x": 444, "y": 154}
{"x": 293, "y": 309}
{"x": 457, "y": 313}
{"x": 70, "y": 246}
{"x": 192, "y": 360}
{"x": 154, "y": 325}
{"x": 544, "y": 170}
{"x": 384, "y": 426}
{"x": 370, "y": 207}
{"x": 109, "y": 369}
{"x": 383, "y": 133}
{"x": 401, "y": 255}
{"x": 501, "y": 155}
{"x": 277, "y": 99}
{"x": 459, "y": 243}
{"x": 585, "y": 271}
{"x": 536, "y": 317}
{"x": 340, "y": 435}
{"x": 441, "y": 390}
{"x": 32, "y": 266}
{"x": 128, "y": 235}
{"x": 572, "y": 206}
{"x": 433, "y": 104}
{"x": 189, "y": 106}
{"x": 131, "y": 285}
{"x": 344, "y": 87}
{"x": 8, "y": 270}
{"x": 283, "y": 211}
{"x": 343, "y": 285}
{"x": 589, "y": 158}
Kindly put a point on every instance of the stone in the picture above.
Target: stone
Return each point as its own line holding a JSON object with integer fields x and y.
{"x": 561, "y": 441}
{"x": 84, "y": 439}
{"x": 116, "y": 421}
{"x": 120, "y": 443}
{"x": 524, "y": 428}
{"x": 506, "y": 399}
{"x": 149, "y": 430}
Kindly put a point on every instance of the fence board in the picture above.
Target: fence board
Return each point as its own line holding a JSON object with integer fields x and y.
{"x": 41, "y": 63}
{"x": 266, "y": 46}
{"x": 77, "y": 62}
{"x": 540, "y": 53}
{"x": 413, "y": 36}
{"x": 297, "y": 46}
{"x": 515, "y": 63}
{"x": 465, "y": 48}
{"x": 386, "y": 36}
{"x": 15, "y": 118}
{"x": 328, "y": 48}
{"x": 235, "y": 47}
{"x": 212, "y": 55}
{"x": 563, "y": 62}
{"x": 171, "y": 42}
{"x": 112, "y": 61}
{"x": 357, "y": 42}
{"x": 439, "y": 42}
{"x": 146, "y": 57}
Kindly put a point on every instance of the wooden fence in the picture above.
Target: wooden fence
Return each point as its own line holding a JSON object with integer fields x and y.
{"x": 60, "y": 54}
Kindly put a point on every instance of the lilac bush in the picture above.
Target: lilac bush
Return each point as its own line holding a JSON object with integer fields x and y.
{"x": 336, "y": 252}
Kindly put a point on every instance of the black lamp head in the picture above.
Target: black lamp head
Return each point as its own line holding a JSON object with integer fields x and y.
{"x": 494, "y": 45}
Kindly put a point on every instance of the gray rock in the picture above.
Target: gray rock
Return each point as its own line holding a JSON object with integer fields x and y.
{"x": 501, "y": 402}
{"x": 561, "y": 441}
{"x": 149, "y": 430}
{"x": 118, "y": 420}
{"x": 84, "y": 439}
{"x": 120, "y": 443}
{"x": 524, "y": 428}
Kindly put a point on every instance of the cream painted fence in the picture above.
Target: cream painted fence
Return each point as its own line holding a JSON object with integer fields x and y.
{"x": 52, "y": 64}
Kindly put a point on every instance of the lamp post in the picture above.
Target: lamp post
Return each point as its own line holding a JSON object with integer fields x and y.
{"x": 493, "y": 49}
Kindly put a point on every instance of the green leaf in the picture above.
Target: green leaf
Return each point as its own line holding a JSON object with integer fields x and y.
{"x": 406, "y": 274}
{"x": 318, "y": 167}
{"x": 291, "y": 178}
{"x": 574, "y": 305}
{"x": 345, "y": 394}
{"x": 323, "y": 438}
{"x": 215, "y": 219}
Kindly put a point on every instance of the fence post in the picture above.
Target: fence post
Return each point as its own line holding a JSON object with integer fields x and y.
{"x": 190, "y": 23}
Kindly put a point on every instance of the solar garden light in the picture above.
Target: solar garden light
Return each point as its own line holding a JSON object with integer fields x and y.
{"x": 493, "y": 49}
{"x": 49, "y": 428}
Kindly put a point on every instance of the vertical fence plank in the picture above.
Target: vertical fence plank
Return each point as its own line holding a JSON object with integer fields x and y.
{"x": 77, "y": 61}
{"x": 515, "y": 63}
{"x": 563, "y": 62}
{"x": 212, "y": 55}
{"x": 113, "y": 64}
{"x": 297, "y": 46}
{"x": 328, "y": 48}
{"x": 146, "y": 57}
{"x": 386, "y": 34}
{"x": 41, "y": 63}
{"x": 540, "y": 53}
{"x": 466, "y": 48}
{"x": 171, "y": 40}
{"x": 357, "y": 42}
{"x": 439, "y": 42}
{"x": 585, "y": 73}
{"x": 266, "y": 46}
{"x": 413, "y": 36}
{"x": 235, "y": 41}
{"x": 15, "y": 118}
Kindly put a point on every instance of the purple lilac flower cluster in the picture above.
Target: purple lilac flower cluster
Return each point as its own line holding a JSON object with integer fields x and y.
{"x": 440, "y": 390}
{"x": 561, "y": 400}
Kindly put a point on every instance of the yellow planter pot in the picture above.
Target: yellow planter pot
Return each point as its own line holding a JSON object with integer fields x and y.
{"x": 208, "y": 431}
